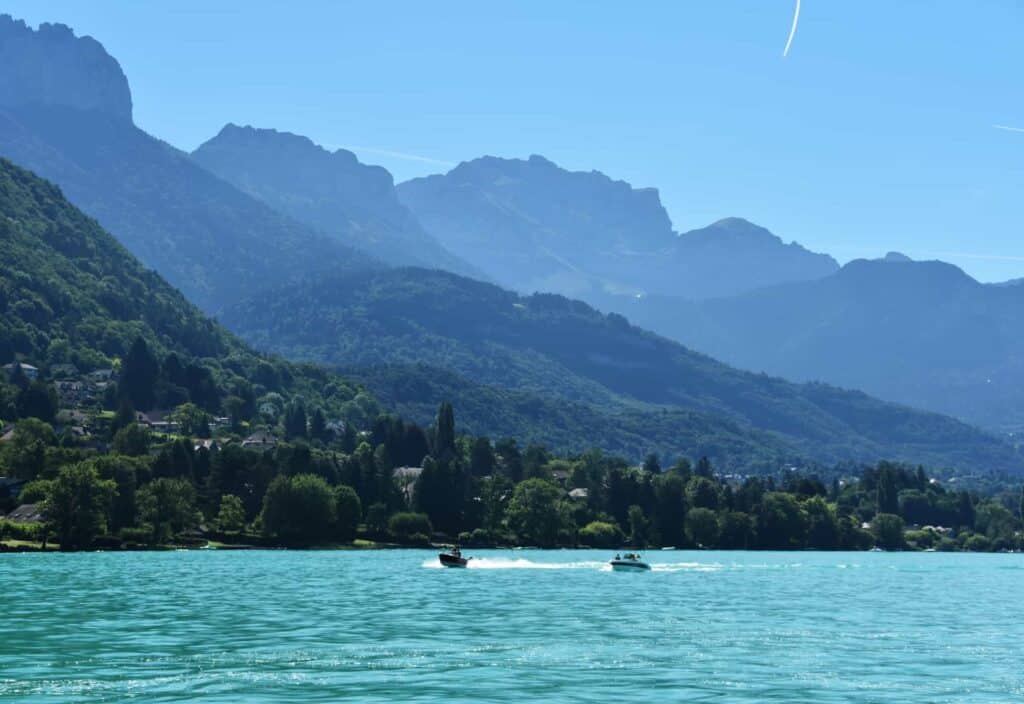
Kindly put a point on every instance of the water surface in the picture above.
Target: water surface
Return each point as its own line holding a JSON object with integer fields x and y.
{"x": 381, "y": 626}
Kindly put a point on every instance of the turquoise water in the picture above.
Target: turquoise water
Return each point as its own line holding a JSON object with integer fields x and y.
{"x": 524, "y": 625}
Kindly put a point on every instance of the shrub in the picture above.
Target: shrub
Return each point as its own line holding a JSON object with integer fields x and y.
{"x": 408, "y": 525}
{"x": 598, "y": 534}
{"x": 20, "y": 531}
{"x": 141, "y": 535}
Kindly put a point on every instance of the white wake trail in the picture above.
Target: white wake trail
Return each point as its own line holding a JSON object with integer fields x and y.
{"x": 792, "y": 30}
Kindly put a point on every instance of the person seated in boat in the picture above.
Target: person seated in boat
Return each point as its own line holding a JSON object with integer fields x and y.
{"x": 456, "y": 551}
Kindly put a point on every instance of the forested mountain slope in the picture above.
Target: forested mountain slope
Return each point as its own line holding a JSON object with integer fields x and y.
{"x": 555, "y": 348}
{"x": 921, "y": 333}
{"x": 71, "y": 295}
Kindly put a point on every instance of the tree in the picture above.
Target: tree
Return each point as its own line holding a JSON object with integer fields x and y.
{"x": 481, "y": 457}
{"x": 168, "y": 506}
{"x": 377, "y": 518}
{"x": 76, "y": 509}
{"x": 736, "y": 530}
{"x": 410, "y": 526}
{"x": 444, "y": 433}
{"x": 139, "y": 373}
{"x": 348, "y": 512}
{"x": 670, "y": 508}
{"x": 702, "y": 527}
{"x": 24, "y": 455}
{"x": 652, "y": 463}
{"x": 192, "y": 420}
{"x": 822, "y": 524}
{"x": 299, "y": 509}
{"x": 231, "y": 516}
{"x": 781, "y": 522}
{"x": 38, "y": 400}
{"x": 132, "y": 440}
{"x": 536, "y": 513}
{"x": 702, "y": 492}
{"x": 318, "y": 426}
{"x": 888, "y": 530}
{"x": 637, "y": 525}
{"x": 599, "y": 534}
{"x": 295, "y": 420}
{"x": 887, "y": 493}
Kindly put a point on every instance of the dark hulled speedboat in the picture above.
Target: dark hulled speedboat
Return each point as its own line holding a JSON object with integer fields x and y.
{"x": 630, "y": 562}
{"x": 453, "y": 558}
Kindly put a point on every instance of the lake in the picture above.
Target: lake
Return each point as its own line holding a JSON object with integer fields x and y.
{"x": 524, "y": 625}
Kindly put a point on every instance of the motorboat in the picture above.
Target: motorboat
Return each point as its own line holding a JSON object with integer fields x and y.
{"x": 630, "y": 562}
{"x": 454, "y": 558}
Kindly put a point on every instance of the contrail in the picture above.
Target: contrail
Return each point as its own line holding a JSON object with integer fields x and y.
{"x": 792, "y": 30}
{"x": 1008, "y": 128}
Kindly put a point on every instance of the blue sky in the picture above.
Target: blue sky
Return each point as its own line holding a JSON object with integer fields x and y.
{"x": 875, "y": 133}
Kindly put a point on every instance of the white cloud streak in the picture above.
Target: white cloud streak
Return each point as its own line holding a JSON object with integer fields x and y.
{"x": 401, "y": 155}
{"x": 1008, "y": 128}
{"x": 792, "y": 30}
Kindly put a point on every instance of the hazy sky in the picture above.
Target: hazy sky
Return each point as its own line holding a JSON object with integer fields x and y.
{"x": 877, "y": 132}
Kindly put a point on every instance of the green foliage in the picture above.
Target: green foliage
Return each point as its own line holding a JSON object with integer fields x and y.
{"x": 24, "y": 456}
{"x": 231, "y": 515}
{"x": 299, "y": 509}
{"x": 601, "y": 534}
{"x": 888, "y": 530}
{"x": 168, "y": 506}
{"x": 77, "y": 506}
{"x": 348, "y": 512}
{"x": 702, "y": 527}
{"x": 406, "y": 525}
{"x": 549, "y": 369}
{"x": 537, "y": 514}
{"x": 132, "y": 440}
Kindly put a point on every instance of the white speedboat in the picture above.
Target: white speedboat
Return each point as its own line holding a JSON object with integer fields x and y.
{"x": 630, "y": 562}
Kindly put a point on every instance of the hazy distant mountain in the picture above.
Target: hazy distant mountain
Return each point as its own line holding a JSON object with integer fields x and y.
{"x": 921, "y": 333}
{"x": 534, "y": 226}
{"x": 551, "y": 354}
{"x": 331, "y": 191}
{"x": 203, "y": 235}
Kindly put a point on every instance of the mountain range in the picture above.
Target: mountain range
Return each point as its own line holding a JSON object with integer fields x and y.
{"x": 330, "y": 191}
{"x": 921, "y": 333}
{"x": 534, "y": 226}
{"x": 298, "y": 248}
{"x": 557, "y": 350}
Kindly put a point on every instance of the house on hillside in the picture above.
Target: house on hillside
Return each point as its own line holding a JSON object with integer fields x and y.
{"x": 101, "y": 375}
{"x": 261, "y": 440}
{"x": 71, "y": 393}
{"x": 28, "y": 370}
{"x": 579, "y": 494}
{"x": 7, "y": 434}
{"x": 208, "y": 444}
{"x": 405, "y": 479}
{"x": 560, "y": 475}
{"x": 26, "y": 513}
{"x": 63, "y": 371}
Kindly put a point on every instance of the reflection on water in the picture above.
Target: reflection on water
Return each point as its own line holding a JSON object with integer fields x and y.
{"x": 518, "y": 625}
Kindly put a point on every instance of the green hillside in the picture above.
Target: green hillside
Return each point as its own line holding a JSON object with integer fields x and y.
{"x": 71, "y": 295}
{"x": 555, "y": 348}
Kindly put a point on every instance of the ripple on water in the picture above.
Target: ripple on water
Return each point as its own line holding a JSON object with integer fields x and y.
{"x": 525, "y": 625}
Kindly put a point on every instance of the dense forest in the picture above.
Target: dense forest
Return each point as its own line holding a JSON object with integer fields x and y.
{"x": 559, "y": 351}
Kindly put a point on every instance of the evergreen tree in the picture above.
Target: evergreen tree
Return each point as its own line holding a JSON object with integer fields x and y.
{"x": 444, "y": 433}
{"x": 887, "y": 493}
{"x": 652, "y": 463}
{"x": 295, "y": 420}
{"x": 139, "y": 373}
{"x": 481, "y": 457}
{"x": 318, "y": 426}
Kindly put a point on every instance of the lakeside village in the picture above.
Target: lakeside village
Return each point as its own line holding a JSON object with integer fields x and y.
{"x": 80, "y": 469}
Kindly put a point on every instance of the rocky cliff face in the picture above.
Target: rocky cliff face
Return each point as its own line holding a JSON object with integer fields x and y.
{"x": 329, "y": 190}
{"x": 51, "y": 66}
{"x": 535, "y": 226}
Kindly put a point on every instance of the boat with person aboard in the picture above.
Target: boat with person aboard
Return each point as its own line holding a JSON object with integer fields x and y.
{"x": 630, "y": 562}
{"x": 454, "y": 558}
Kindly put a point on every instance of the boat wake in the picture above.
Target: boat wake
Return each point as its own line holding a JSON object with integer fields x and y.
{"x": 504, "y": 563}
